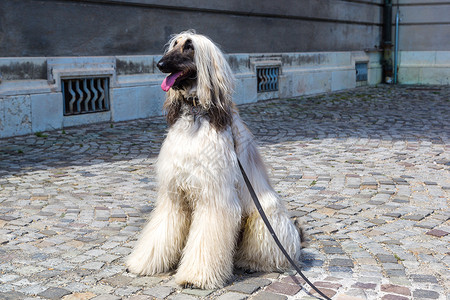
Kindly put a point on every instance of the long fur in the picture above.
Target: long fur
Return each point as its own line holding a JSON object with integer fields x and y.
{"x": 215, "y": 81}
{"x": 205, "y": 222}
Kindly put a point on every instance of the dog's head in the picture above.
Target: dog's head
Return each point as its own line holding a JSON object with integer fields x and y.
{"x": 179, "y": 62}
{"x": 196, "y": 65}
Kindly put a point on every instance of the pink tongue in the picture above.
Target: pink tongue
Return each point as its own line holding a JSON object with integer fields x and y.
{"x": 169, "y": 81}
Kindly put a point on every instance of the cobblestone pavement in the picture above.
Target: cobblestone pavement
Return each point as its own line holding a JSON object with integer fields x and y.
{"x": 366, "y": 170}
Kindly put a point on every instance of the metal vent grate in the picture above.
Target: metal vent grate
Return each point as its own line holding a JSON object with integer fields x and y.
{"x": 85, "y": 95}
{"x": 361, "y": 71}
{"x": 267, "y": 79}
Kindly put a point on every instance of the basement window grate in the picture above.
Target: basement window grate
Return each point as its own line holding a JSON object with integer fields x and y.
{"x": 267, "y": 79}
{"x": 361, "y": 71}
{"x": 85, "y": 95}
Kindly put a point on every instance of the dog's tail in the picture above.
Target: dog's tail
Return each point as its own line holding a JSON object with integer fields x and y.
{"x": 304, "y": 237}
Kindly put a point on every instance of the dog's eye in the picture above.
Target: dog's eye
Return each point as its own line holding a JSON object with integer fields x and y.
{"x": 188, "y": 45}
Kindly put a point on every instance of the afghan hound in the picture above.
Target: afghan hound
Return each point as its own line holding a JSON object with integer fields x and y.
{"x": 205, "y": 222}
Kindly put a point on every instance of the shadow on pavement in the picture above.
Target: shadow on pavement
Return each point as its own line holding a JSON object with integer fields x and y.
{"x": 406, "y": 113}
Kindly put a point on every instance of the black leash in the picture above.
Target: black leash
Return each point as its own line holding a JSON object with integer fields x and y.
{"x": 272, "y": 232}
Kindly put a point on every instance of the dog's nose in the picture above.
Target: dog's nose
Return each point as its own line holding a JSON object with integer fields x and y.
{"x": 160, "y": 65}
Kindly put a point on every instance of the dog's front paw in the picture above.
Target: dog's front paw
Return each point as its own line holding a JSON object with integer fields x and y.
{"x": 190, "y": 285}
{"x": 194, "y": 283}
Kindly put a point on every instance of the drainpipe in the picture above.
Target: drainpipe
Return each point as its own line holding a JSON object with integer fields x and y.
{"x": 386, "y": 43}
{"x": 397, "y": 20}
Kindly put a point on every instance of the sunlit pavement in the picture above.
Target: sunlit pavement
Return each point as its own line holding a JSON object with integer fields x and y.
{"x": 365, "y": 170}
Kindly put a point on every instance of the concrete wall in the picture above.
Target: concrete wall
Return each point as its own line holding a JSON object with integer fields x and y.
{"x": 131, "y": 27}
{"x": 424, "y": 25}
{"x": 424, "y": 67}
{"x": 424, "y": 41}
{"x": 34, "y": 103}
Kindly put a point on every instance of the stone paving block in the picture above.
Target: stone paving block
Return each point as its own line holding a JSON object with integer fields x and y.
{"x": 295, "y": 280}
{"x": 12, "y": 295}
{"x": 127, "y": 290}
{"x": 386, "y": 258}
{"x": 241, "y": 287}
{"x": 399, "y": 200}
{"x": 33, "y": 289}
{"x": 182, "y": 296}
{"x": 395, "y": 273}
{"x": 336, "y": 269}
{"x": 414, "y": 217}
{"x": 364, "y": 285}
{"x": 263, "y": 295}
{"x": 393, "y": 266}
{"x": 95, "y": 265}
{"x": 106, "y": 297}
{"x": 326, "y": 284}
{"x": 197, "y": 292}
{"x": 159, "y": 292}
{"x": 366, "y": 261}
{"x": 369, "y": 185}
{"x": 95, "y": 252}
{"x": 233, "y": 296}
{"x": 392, "y": 242}
{"x": 333, "y": 250}
{"x": 341, "y": 262}
{"x": 430, "y": 183}
{"x": 378, "y": 221}
{"x": 261, "y": 282}
{"x": 29, "y": 270}
{"x": 8, "y": 277}
{"x": 388, "y": 182}
{"x": 376, "y": 202}
{"x": 118, "y": 280}
{"x": 79, "y": 296}
{"x": 272, "y": 275}
{"x": 283, "y": 288}
{"x": 427, "y": 224}
{"x": 107, "y": 245}
{"x": 423, "y": 278}
{"x": 328, "y": 292}
{"x": 336, "y": 206}
{"x": 328, "y": 243}
{"x": 77, "y": 287}
{"x": 54, "y": 293}
{"x": 386, "y": 192}
{"x": 312, "y": 263}
{"x": 396, "y": 289}
{"x": 108, "y": 258}
{"x": 146, "y": 281}
{"x": 437, "y": 233}
{"x": 297, "y": 213}
{"x": 8, "y": 218}
{"x": 393, "y": 214}
{"x": 425, "y": 294}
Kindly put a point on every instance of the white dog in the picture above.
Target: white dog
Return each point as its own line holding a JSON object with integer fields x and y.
{"x": 205, "y": 221}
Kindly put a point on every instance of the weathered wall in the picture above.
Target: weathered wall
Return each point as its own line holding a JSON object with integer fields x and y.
{"x": 424, "y": 41}
{"x": 424, "y": 25}
{"x": 35, "y": 104}
{"x": 129, "y": 27}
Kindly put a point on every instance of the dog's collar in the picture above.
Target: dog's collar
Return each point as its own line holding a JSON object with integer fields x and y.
{"x": 192, "y": 100}
{"x": 193, "y": 107}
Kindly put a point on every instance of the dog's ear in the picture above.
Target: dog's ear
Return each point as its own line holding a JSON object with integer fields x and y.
{"x": 215, "y": 81}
